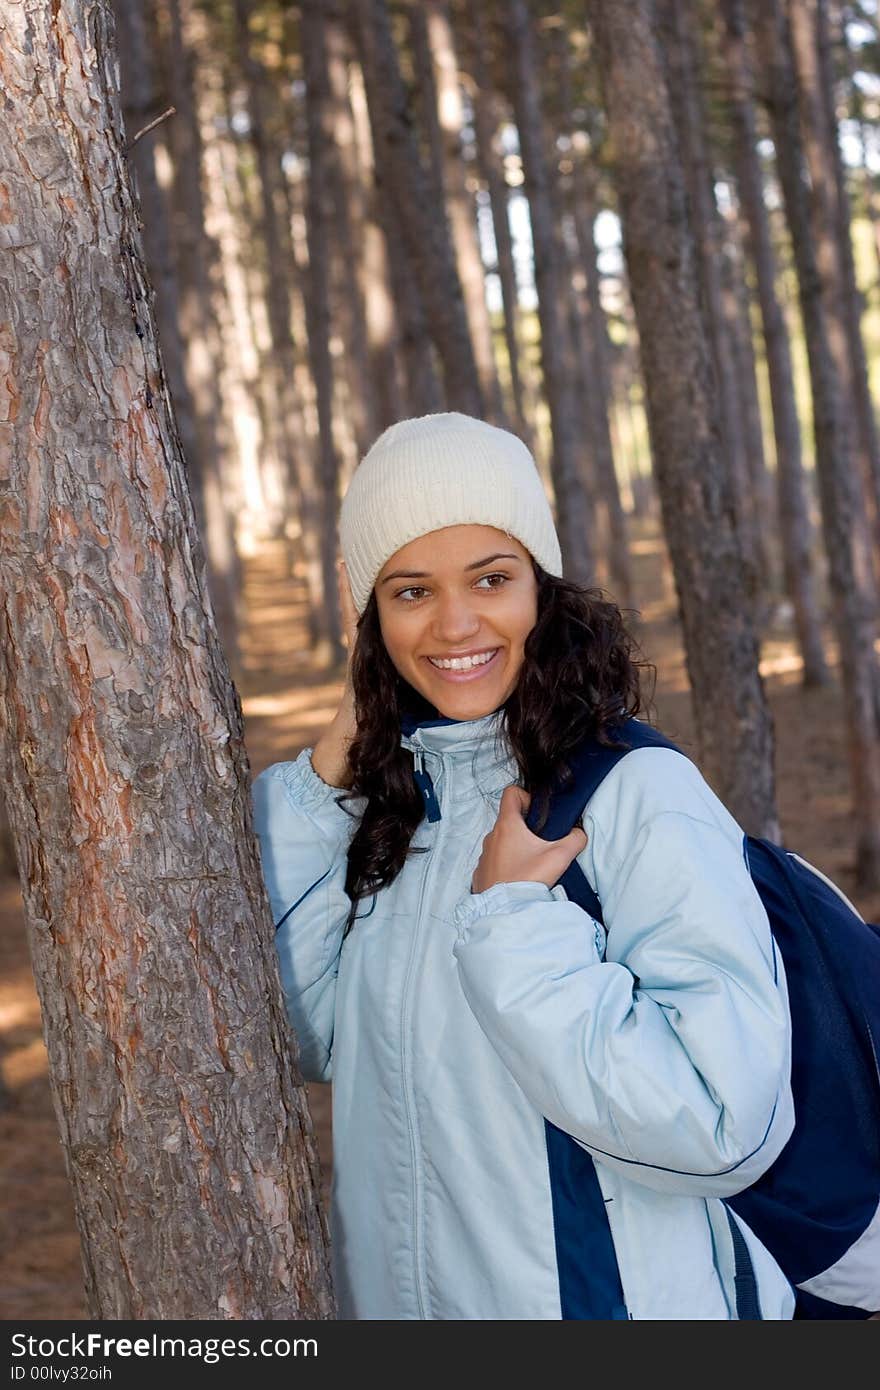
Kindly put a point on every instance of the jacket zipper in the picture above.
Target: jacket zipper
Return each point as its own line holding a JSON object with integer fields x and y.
{"x": 409, "y": 1106}
{"x": 423, "y": 781}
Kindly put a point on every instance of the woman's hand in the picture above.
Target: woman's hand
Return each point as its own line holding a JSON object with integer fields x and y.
{"x": 512, "y": 854}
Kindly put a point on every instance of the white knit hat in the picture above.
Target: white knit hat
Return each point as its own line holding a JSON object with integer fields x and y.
{"x": 435, "y": 471}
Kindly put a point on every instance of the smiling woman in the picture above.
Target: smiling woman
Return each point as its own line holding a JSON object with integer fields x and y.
{"x": 531, "y": 1119}
{"x": 458, "y": 636}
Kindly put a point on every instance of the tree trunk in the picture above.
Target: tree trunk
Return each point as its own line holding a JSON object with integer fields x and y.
{"x": 795, "y": 526}
{"x": 349, "y": 231}
{"x": 486, "y": 123}
{"x": 597, "y": 379}
{"x": 295, "y": 446}
{"x": 424, "y": 393}
{"x": 184, "y": 1123}
{"x": 678, "y": 26}
{"x": 809, "y": 28}
{"x": 140, "y": 105}
{"x": 420, "y": 216}
{"x": 320, "y": 221}
{"x": 196, "y": 259}
{"x": 734, "y": 731}
{"x": 850, "y": 571}
{"x": 461, "y": 205}
{"x": 388, "y": 370}
{"x": 737, "y": 306}
{"x": 569, "y": 462}
{"x": 246, "y": 387}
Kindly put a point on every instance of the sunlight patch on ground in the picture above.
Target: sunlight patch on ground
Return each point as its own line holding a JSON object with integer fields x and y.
{"x": 311, "y": 704}
{"x": 18, "y": 1011}
{"x": 22, "y": 1065}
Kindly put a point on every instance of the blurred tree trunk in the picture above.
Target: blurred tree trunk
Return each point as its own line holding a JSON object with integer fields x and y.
{"x": 734, "y": 731}
{"x": 569, "y": 460}
{"x": 418, "y": 206}
{"x": 831, "y": 213}
{"x": 424, "y": 393}
{"x": 737, "y": 306}
{"x": 7, "y": 848}
{"x": 486, "y": 123}
{"x": 389, "y": 372}
{"x": 795, "y": 526}
{"x": 846, "y": 543}
{"x": 197, "y": 315}
{"x": 183, "y": 1119}
{"x": 295, "y": 446}
{"x": 320, "y": 224}
{"x": 461, "y": 205}
{"x": 678, "y": 31}
{"x": 246, "y": 386}
{"x": 611, "y": 522}
{"x": 349, "y": 231}
{"x": 140, "y": 106}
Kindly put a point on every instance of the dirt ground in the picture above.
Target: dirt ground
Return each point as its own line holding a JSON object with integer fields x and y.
{"x": 286, "y": 704}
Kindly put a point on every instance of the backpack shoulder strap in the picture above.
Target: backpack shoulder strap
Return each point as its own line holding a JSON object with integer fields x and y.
{"x": 590, "y": 765}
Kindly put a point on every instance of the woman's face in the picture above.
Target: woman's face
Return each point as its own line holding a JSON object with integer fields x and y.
{"x": 448, "y": 601}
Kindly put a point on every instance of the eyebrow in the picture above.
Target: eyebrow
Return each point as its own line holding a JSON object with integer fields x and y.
{"x": 425, "y": 574}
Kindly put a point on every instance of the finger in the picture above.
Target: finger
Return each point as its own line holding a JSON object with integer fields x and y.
{"x": 578, "y": 837}
{"x": 514, "y": 800}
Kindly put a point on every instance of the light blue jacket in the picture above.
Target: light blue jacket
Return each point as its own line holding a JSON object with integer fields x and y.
{"x": 453, "y": 1024}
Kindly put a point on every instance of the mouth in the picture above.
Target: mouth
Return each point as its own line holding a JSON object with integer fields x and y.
{"x": 468, "y": 668}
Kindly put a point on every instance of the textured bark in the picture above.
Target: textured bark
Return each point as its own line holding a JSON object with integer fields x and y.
{"x": 849, "y": 561}
{"x": 460, "y": 204}
{"x": 183, "y": 1120}
{"x": 831, "y": 217}
{"x": 569, "y": 463}
{"x": 795, "y": 526}
{"x": 421, "y": 222}
{"x": 734, "y": 730}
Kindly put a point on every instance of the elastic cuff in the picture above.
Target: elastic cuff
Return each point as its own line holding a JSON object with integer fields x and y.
{"x": 503, "y": 897}
{"x": 306, "y": 788}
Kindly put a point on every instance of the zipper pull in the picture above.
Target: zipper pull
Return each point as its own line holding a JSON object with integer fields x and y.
{"x": 425, "y": 786}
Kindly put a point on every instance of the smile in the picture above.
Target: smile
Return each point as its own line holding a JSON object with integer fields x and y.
{"x": 459, "y": 667}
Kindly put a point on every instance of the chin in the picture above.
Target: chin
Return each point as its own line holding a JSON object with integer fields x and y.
{"x": 461, "y": 709}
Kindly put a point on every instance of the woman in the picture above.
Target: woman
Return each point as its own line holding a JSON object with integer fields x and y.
{"x": 471, "y": 1017}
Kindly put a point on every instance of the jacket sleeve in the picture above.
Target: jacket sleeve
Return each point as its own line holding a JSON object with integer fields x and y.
{"x": 667, "y": 1055}
{"x": 304, "y": 836}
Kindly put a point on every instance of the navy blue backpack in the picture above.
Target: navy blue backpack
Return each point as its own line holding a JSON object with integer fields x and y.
{"x": 817, "y": 1209}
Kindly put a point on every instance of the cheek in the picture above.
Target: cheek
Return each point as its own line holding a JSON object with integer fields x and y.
{"x": 397, "y": 635}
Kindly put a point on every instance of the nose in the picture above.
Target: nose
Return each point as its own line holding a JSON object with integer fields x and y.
{"x": 455, "y": 619}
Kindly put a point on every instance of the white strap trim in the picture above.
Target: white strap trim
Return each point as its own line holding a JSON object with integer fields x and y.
{"x": 855, "y": 1279}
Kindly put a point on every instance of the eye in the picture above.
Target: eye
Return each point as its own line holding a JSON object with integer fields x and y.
{"x": 413, "y": 589}
{"x": 502, "y": 577}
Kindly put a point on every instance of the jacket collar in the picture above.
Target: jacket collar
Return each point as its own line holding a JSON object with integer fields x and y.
{"x": 449, "y": 737}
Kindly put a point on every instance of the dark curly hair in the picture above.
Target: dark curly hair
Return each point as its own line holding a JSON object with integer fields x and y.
{"x": 580, "y": 676}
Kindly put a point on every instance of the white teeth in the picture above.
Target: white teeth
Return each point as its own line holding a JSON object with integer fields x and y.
{"x": 462, "y": 663}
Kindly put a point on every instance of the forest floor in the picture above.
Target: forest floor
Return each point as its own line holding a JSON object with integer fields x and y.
{"x": 286, "y": 704}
